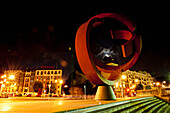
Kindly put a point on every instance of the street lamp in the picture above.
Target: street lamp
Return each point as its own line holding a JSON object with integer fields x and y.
{"x": 164, "y": 82}
{"x": 123, "y": 77}
{"x": 157, "y": 83}
{"x": 136, "y": 80}
{"x": 12, "y": 77}
{"x": 49, "y": 89}
{"x": 61, "y": 82}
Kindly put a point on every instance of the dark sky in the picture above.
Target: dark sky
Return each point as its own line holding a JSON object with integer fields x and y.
{"x": 35, "y": 35}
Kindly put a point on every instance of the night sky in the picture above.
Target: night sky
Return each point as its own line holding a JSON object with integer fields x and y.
{"x": 35, "y": 35}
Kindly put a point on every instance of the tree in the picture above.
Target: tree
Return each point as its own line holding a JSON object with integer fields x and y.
{"x": 148, "y": 87}
{"x": 139, "y": 87}
{"x": 76, "y": 91}
{"x": 37, "y": 85}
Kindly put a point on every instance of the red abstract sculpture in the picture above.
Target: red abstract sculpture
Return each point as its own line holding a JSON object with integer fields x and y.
{"x": 90, "y": 66}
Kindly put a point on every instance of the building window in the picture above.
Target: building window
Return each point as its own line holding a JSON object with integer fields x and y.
{"x": 55, "y": 72}
{"x": 41, "y": 72}
{"x": 51, "y": 72}
{"x": 48, "y": 72}
{"x": 27, "y": 75}
{"x": 44, "y": 72}
{"x": 26, "y": 84}
{"x": 26, "y": 80}
{"x": 59, "y": 72}
{"x": 48, "y": 78}
{"x": 37, "y": 72}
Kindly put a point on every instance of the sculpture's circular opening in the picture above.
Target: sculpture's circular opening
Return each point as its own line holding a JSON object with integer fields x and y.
{"x": 121, "y": 47}
{"x": 105, "y": 47}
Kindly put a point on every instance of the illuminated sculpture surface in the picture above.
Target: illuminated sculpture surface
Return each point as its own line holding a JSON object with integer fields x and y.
{"x": 92, "y": 67}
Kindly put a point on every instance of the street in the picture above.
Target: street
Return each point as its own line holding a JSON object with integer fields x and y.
{"x": 43, "y": 105}
{"x": 48, "y": 105}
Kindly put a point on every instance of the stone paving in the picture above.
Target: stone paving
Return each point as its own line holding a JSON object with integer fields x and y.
{"x": 45, "y": 105}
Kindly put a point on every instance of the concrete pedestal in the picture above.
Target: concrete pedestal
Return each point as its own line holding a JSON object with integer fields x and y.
{"x": 105, "y": 93}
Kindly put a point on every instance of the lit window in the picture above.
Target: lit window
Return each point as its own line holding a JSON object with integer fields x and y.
{"x": 48, "y": 78}
{"x": 48, "y": 72}
{"x": 55, "y": 72}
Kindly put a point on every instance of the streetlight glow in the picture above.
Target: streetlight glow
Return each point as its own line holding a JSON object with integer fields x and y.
{"x": 123, "y": 77}
{"x": 164, "y": 82}
{"x": 157, "y": 83}
{"x": 11, "y": 77}
{"x": 61, "y": 81}
{"x": 136, "y": 80}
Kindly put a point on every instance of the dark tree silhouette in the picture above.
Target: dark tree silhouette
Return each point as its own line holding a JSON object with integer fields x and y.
{"x": 37, "y": 85}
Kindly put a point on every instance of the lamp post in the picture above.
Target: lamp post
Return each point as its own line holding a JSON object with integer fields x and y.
{"x": 157, "y": 84}
{"x": 123, "y": 78}
{"x": 61, "y": 82}
{"x": 85, "y": 91}
{"x": 49, "y": 89}
{"x": 164, "y": 82}
{"x": 12, "y": 77}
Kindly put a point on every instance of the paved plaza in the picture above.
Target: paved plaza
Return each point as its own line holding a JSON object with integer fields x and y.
{"x": 44, "y": 105}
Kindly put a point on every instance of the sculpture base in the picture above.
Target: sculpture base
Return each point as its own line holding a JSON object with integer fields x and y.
{"x": 105, "y": 93}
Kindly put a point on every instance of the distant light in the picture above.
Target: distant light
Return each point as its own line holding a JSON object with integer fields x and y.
{"x": 164, "y": 82}
{"x": 157, "y": 83}
{"x": 3, "y": 85}
{"x": 133, "y": 86}
{"x": 11, "y": 77}
{"x": 107, "y": 55}
{"x": 123, "y": 76}
{"x": 69, "y": 48}
{"x": 65, "y": 86}
{"x": 61, "y": 81}
{"x": 117, "y": 84}
{"x": 136, "y": 80}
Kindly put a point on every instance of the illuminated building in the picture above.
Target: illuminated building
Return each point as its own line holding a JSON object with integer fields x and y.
{"x": 49, "y": 77}
{"x": 11, "y": 81}
{"x": 22, "y": 81}
{"x": 132, "y": 79}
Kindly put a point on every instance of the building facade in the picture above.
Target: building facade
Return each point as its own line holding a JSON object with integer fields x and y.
{"x": 22, "y": 81}
{"x": 11, "y": 81}
{"x": 133, "y": 78}
{"x": 130, "y": 79}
